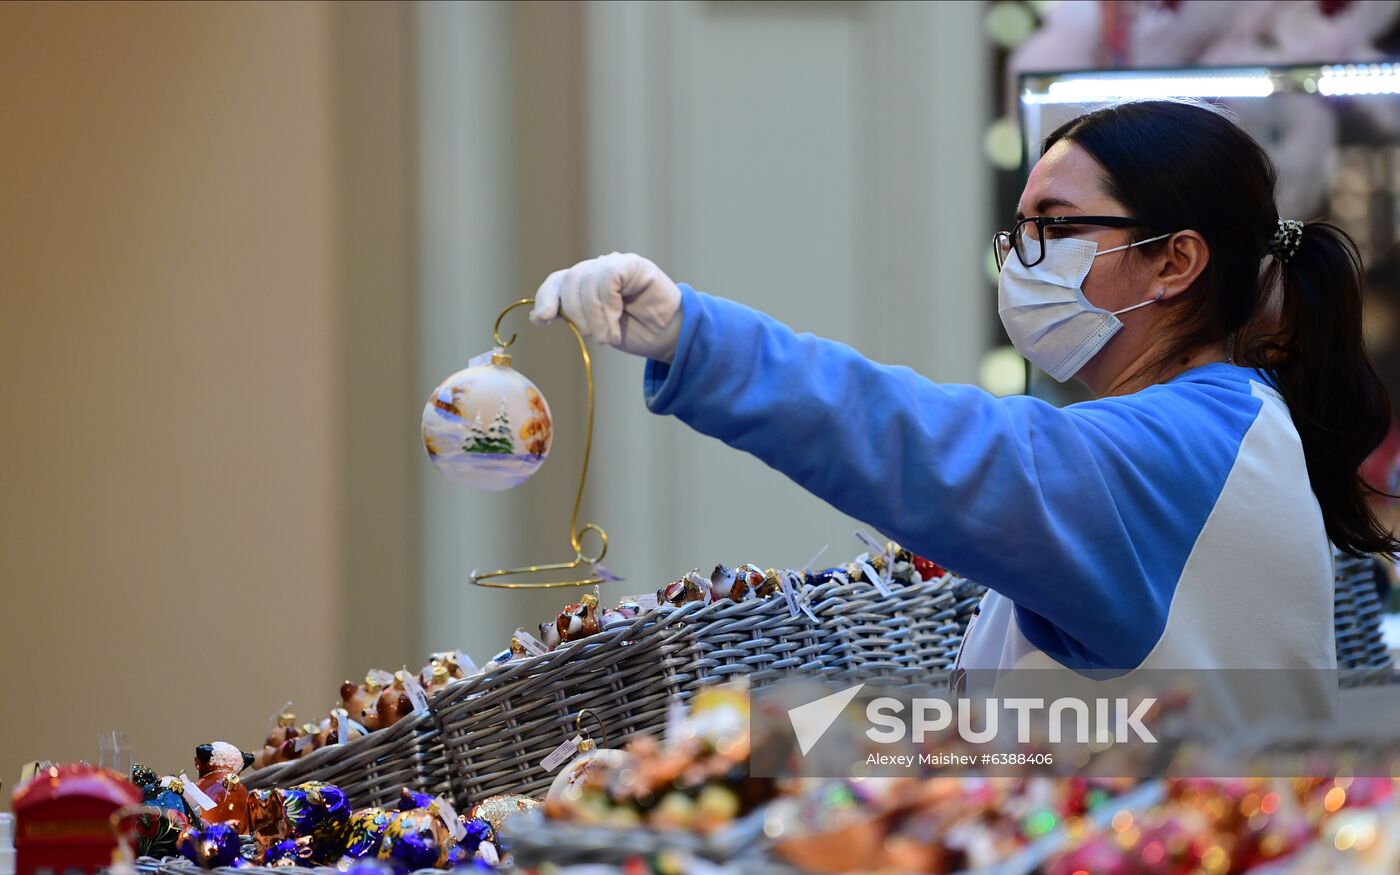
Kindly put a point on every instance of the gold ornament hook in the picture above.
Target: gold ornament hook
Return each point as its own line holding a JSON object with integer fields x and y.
{"x": 486, "y": 578}
{"x": 580, "y": 730}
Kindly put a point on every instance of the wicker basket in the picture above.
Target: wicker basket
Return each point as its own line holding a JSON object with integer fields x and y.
{"x": 372, "y": 769}
{"x": 497, "y": 726}
{"x": 1358, "y": 616}
{"x": 487, "y": 734}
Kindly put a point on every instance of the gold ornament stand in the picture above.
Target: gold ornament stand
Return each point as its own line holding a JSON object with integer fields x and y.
{"x": 581, "y": 559}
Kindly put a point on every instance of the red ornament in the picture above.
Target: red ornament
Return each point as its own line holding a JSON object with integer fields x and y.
{"x": 928, "y": 570}
{"x": 63, "y": 819}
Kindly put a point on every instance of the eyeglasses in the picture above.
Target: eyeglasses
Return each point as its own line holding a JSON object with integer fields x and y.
{"x": 1028, "y": 235}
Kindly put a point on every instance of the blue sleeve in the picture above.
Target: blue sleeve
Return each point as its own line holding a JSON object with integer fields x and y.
{"x": 1082, "y": 516}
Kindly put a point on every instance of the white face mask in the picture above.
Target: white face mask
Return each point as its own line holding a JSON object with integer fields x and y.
{"x": 1044, "y": 310}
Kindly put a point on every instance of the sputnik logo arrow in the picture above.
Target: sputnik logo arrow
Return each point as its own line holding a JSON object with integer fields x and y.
{"x": 811, "y": 721}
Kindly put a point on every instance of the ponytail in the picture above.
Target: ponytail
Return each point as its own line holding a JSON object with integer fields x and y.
{"x": 1318, "y": 362}
{"x": 1175, "y": 164}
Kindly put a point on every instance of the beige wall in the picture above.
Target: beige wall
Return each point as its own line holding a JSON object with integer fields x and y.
{"x": 240, "y": 242}
{"x": 171, "y": 510}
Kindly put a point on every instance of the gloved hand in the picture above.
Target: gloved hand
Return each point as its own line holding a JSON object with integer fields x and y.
{"x": 620, "y": 299}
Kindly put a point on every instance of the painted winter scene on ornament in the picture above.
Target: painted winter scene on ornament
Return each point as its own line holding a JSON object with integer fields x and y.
{"x": 487, "y": 426}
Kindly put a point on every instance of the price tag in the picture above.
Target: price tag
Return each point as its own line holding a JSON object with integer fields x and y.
{"x": 488, "y": 853}
{"x": 275, "y": 715}
{"x": 484, "y": 358}
{"x": 869, "y": 541}
{"x": 468, "y": 666}
{"x": 415, "y": 694}
{"x": 802, "y": 598}
{"x": 342, "y": 725}
{"x": 789, "y": 582}
{"x": 380, "y": 678}
{"x": 646, "y": 602}
{"x": 561, "y": 754}
{"x": 601, "y": 571}
{"x": 675, "y": 722}
{"x": 532, "y": 645}
{"x": 444, "y": 810}
{"x": 874, "y": 577}
{"x": 195, "y": 796}
{"x": 303, "y": 742}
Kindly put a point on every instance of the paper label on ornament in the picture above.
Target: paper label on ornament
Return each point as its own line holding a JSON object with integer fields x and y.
{"x": 195, "y": 796}
{"x": 416, "y": 694}
{"x": 869, "y": 541}
{"x": 788, "y": 579}
{"x": 484, "y": 358}
{"x": 813, "y": 560}
{"x": 488, "y": 853}
{"x": 275, "y": 715}
{"x": 873, "y": 577}
{"x": 303, "y": 742}
{"x": 342, "y": 725}
{"x": 675, "y": 722}
{"x": 800, "y": 594}
{"x": 532, "y": 645}
{"x": 646, "y": 602}
{"x": 444, "y": 810}
{"x": 601, "y": 571}
{"x": 381, "y": 678}
{"x": 699, "y": 866}
{"x": 561, "y": 754}
{"x": 468, "y": 666}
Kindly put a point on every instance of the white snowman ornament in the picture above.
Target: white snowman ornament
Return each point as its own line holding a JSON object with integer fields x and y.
{"x": 488, "y": 426}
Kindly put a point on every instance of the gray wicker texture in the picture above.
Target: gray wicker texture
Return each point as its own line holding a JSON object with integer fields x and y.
{"x": 372, "y": 769}
{"x": 760, "y": 640}
{"x": 498, "y": 726}
{"x": 487, "y": 734}
{"x": 1358, "y": 616}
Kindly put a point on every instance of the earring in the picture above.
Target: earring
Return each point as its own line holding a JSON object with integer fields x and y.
{"x": 1160, "y": 294}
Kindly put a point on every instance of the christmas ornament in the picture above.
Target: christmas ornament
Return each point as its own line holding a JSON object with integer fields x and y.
{"x": 495, "y": 809}
{"x": 591, "y": 758}
{"x": 218, "y": 764}
{"x": 212, "y": 847}
{"x": 488, "y": 426}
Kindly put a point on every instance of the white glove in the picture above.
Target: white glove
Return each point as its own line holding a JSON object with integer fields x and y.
{"x": 621, "y": 300}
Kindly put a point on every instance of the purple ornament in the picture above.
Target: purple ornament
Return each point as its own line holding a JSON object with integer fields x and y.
{"x": 213, "y": 847}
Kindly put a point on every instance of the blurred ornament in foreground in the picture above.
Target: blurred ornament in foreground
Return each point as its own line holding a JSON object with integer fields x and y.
{"x": 488, "y": 426}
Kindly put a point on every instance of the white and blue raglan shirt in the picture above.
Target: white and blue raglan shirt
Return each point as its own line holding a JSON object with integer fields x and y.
{"x": 1171, "y": 528}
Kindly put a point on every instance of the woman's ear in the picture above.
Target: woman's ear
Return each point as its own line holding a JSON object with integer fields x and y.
{"x": 1186, "y": 256}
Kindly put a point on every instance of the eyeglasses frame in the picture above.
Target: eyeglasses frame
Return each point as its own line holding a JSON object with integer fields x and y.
{"x": 1042, "y": 222}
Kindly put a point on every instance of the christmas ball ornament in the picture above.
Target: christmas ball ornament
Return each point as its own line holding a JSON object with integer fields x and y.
{"x": 488, "y": 426}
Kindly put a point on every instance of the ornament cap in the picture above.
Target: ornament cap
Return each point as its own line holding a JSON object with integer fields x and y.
{"x": 500, "y": 359}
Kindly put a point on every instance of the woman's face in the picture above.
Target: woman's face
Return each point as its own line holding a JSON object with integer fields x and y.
{"x": 1066, "y": 181}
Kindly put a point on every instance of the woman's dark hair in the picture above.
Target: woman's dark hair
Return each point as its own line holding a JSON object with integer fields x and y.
{"x": 1177, "y": 165}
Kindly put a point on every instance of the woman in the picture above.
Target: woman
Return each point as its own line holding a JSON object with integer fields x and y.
{"x": 1182, "y": 519}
